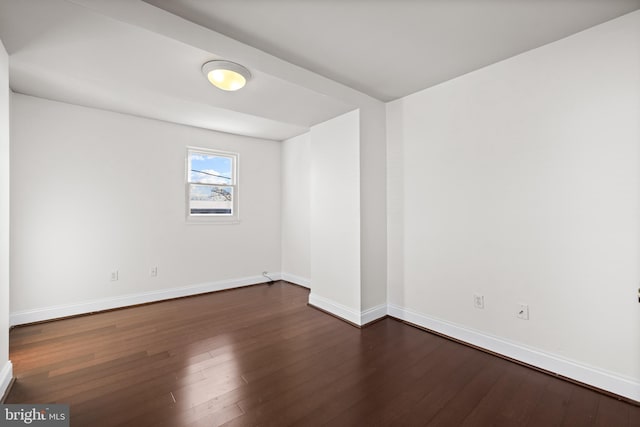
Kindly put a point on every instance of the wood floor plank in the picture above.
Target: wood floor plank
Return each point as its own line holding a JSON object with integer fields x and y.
{"x": 373, "y": 377}
{"x": 612, "y": 412}
{"x": 260, "y": 356}
{"x": 345, "y": 367}
{"x": 443, "y": 385}
{"x": 582, "y": 408}
{"x": 501, "y": 394}
{"x": 383, "y": 389}
{"x": 634, "y": 415}
{"x": 552, "y": 406}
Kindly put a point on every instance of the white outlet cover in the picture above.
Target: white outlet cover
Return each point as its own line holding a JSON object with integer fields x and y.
{"x": 523, "y": 311}
{"x": 478, "y": 301}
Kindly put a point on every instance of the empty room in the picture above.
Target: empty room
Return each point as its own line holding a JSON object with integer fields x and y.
{"x": 320, "y": 212}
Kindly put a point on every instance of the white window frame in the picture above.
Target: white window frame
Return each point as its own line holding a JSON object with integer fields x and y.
{"x": 234, "y": 216}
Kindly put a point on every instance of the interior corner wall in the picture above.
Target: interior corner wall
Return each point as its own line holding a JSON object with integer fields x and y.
{"x": 95, "y": 191}
{"x": 373, "y": 207}
{"x": 395, "y": 202}
{"x": 296, "y": 210}
{"x": 521, "y": 182}
{"x": 335, "y": 215}
{"x": 5, "y": 364}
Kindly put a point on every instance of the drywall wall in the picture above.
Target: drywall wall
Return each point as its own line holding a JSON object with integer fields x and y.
{"x": 296, "y": 209}
{"x": 94, "y": 191}
{"x": 520, "y": 182}
{"x": 5, "y": 364}
{"x": 339, "y": 176}
{"x": 373, "y": 209}
{"x": 336, "y": 143}
{"x": 335, "y": 215}
{"x": 395, "y": 202}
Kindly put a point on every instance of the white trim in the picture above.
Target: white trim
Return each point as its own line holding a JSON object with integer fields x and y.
{"x": 595, "y": 377}
{"x": 6, "y": 375}
{"x": 298, "y": 280}
{"x": 373, "y": 313}
{"x": 347, "y": 313}
{"x": 55, "y": 312}
{"x": 337, "y": 309}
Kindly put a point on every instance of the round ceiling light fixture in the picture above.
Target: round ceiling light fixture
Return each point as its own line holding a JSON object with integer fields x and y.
{"x": 226, "y": 75}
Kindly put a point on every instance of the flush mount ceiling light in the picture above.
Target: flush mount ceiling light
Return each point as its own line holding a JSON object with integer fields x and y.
{"x": 226, "y": 75}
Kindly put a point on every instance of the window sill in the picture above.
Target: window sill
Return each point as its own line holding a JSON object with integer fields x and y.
{"x": 215, "y": 221}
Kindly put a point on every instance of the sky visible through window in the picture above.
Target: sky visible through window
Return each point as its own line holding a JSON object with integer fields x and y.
{"x": 210, "y": 169}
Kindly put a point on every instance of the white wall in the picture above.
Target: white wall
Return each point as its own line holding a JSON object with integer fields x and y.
{"x": 296, "y": 209}
{"x": 373, "y": 208}
{"x": 395, "y": 202}
{"x": 347, "y": 156}
{"x": 349, "y": 162}
{"x": 520, "y": 182}
{"x": 94, "y": 191}
{"x": 5, "y": 364}
{"x": 335, "y": 215}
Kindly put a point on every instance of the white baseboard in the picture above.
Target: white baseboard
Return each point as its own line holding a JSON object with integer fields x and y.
{"x": 337, "y": 309}
{"x": 56, "y": 312}
{"x": 347, "y": 313}
{"x": 373, "y": 313}
{"x": 604, "y": 380}
{"x": 298, "y": 280}
{"x": 6, "y": 375}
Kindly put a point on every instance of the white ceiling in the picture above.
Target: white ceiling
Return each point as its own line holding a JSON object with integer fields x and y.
{"x": 65, "y": 51}
{"x": 311, "y": 59}
{"x": 389, "y": 49}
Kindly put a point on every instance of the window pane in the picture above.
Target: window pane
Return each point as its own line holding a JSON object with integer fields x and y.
{"x": 210, "y": 200}
{"x": 210, "y": 169}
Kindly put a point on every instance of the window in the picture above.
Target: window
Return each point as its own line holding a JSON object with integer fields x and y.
{"x": 212, "y": 188}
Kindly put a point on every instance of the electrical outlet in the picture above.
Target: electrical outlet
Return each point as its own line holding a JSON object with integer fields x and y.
{"x": 523, "y": 311}
{"x": 153, "y": 272}
{"x": 114, "y": 275}
{"x": 478, "y": 301}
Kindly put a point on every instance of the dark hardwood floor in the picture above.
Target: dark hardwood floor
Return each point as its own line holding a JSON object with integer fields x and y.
{"x": 260, "y": 356}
